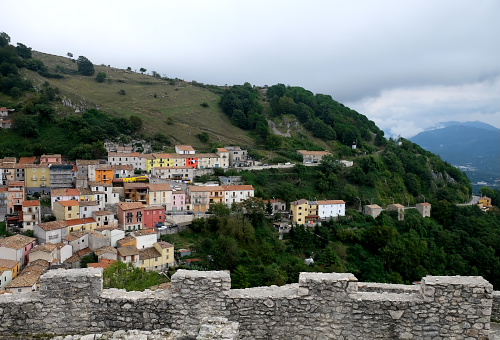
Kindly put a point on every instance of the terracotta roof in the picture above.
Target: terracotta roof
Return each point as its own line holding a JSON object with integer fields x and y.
{"x": 84, "y": 252}
{"x": 30, "y": 275}
{"x": 76, "y": 235}
{"x": 160, "y": 187}
{"x": 87, "y": 162}
{"x": 5, "y": 263}
{"x": 424, "y": 203}
{"x": 125, "y": 240}
{"x": 158, "y": 207}
{"x": 222, "y": 150}
{"x": 105, "y": 250}
{"x": 88, "y": 203}
{"x": 373, "y": 206}
{"x": 330, "y": 202}
{"x": 205, "y": 188}
{"x": 31, "y": 166}
{"x": 32, "y": 203}
{"x": 97, "y": 235}
{"x": 300, "y": 202}
{"x": 57, "y": 155}
{"x": 65, "y": 192}
{"x": 124, "y": 154}
{"x": 70, "y": 203}
{"x": 185, "y": 147}
{"x": 148, "y": 253}
{"x": 130, "y": 205}
{"x": 143, "y": 232}
{"x": 127, "y": 251}
{"x": 104, "y": 263}
{"x": 238, "y": 187}
{"x": 102, "y": 213}
{"x": 72, "y": 259}
{"x": 165, "y": 245}
{"x": 127, "y": 185}
{"x": 53, "y": 225}
{"x": 16, "y": 241}
{"x": 16, "y": 184}
{"x": 27, "y": 160}
{"x": 78, "y": 221}
{"x": 396, "y": 205}
{"x": 46, "y": 248}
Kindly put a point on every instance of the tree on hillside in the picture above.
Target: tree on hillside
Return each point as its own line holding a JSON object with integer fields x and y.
{"x": 142, "y": 69}
{"x": 23, "y": 51}
{"x": 85, "y": 66}
{"x": 101, "y": 77}
{"x": 4, "y": 39}
{"x": 70, "y": 54}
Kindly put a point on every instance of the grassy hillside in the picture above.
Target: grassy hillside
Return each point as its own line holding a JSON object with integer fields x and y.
{"x": 154, "y": 100}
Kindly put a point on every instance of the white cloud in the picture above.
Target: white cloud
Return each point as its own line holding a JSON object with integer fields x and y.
{"x": 408, "y": 111}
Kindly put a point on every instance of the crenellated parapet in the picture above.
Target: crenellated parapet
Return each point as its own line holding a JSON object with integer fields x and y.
{"x": 319, "y": 306}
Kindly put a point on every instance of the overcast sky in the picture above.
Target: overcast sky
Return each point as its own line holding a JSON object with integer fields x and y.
{"x": 404, "y": 64}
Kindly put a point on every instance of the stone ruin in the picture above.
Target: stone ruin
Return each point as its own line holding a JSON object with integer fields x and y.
{"x": 202, "y": 305}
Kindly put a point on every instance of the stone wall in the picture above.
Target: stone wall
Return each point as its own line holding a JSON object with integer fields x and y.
{"x": 320, "y": 306}
{"x": 495, "y": 310}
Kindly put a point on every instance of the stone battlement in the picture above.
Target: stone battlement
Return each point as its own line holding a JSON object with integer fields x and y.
{"x": 321, "y": 305}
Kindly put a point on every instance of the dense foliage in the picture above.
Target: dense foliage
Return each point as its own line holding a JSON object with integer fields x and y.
{"x": 242, "y": 105}
{"x": 323, "y": 116}
{"x": 456, "y": 241}
{"x": 122, "y": 275}
{"x": 403, "y": 173}
{"x": 77, "y": 136}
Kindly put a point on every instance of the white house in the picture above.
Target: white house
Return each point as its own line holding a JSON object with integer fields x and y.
{"x": 51, "y": 232}
{"x": 145, "y": 238}
{"x": 237, "y": 193}
{"x": 5, "y": 278}
{"x": 330, "y": 209}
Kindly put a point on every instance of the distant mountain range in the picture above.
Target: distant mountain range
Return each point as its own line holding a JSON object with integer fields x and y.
{"x": 474, "y": 147}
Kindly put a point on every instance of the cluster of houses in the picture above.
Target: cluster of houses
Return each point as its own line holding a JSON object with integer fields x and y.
{"x": 115, "y": 210}
{"x": 101, "y": 209}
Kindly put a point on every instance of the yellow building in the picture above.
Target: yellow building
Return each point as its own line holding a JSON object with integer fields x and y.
{"x": 81, "y": 224}
{"x": 159, "y": 257}
{"x": 160, "y": 160}
{"x": 12, "y": 265}
{"x": 485, "y": 203}
{"x": 37, "y": 178}
{"x": 300, "y": 210}
{"x": 66, "y": 210}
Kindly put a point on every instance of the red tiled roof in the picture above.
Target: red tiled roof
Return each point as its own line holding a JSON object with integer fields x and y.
{"x": 32, "y": 203}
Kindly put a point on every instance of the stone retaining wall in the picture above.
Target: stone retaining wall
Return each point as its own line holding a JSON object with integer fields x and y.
{"x": 320, "y": 306}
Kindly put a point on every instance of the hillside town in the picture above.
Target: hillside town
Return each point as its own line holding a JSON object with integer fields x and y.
{"x": 117, "y": 209}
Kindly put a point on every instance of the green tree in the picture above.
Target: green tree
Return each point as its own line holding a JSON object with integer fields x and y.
{"x": 85, "y": 66}
{"x": 142, "y": 69}
{"x": 26, "y": 126}
{"x": 23, "y": 51}
{"x": 101, "y": 77}
{"x": 203, "y": 137}
{"x": 90, "y": 258}
{"x": 136, "y": 123}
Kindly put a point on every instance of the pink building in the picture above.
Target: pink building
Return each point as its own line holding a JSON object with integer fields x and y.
{"x": 153, "y": 216}
{"x": 52, "y": 159}
{"x": 17, "y": 248}
{"x": 131, "y": 215}
{"x": 178, "y": 201}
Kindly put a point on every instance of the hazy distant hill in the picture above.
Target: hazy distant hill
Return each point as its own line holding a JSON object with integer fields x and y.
{"x": 473, "y": 146}
{"x": 475, "y": 124}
